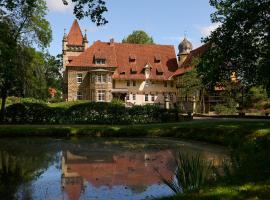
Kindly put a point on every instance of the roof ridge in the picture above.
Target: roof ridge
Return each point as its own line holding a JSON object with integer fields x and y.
{"x": 131, "y": 44}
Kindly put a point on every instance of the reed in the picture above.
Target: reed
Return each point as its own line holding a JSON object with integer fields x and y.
{"x": 191, "y": 173}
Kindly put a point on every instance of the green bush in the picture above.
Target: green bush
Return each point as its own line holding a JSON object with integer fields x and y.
{"x": 88, "y": 113}
{"x": 224, "y": 110}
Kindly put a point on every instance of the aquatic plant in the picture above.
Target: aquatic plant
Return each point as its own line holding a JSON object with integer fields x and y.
{"x": 191, "y": 173}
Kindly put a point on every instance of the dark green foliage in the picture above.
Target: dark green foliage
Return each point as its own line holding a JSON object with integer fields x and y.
{"x": 23, "y": 25}
{"x": 88, "y": 113}
{"x": 240, "y": 44}
{"x": 94, "y": 9}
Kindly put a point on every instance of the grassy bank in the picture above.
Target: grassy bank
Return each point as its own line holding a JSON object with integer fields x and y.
{"x": 228, "y": 132}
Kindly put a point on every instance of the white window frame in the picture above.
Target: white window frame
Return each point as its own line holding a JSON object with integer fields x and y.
{"x": 134, "y": 97}
{"x": 127, "y": 97}
{"x": 103, "y": 78}
{"x": 101, "y": 96}
{"x": 109, "y": 78}
{"x": 100, "y": 61}
{"x": 79, "y": 78}
{"x": 146, "y": 98}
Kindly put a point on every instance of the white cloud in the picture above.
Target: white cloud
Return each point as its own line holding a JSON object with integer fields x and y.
{"x": 206, "y": 30}
{"x": 58, "y": 6}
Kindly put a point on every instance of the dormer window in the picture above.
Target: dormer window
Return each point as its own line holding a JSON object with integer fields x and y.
{"x": 99, "y": 61}
{"x": 157, "y": 59}
{"x": 159, "y": 71}
{"x": 132, "y": 58}
{"x": 133, "y": 70}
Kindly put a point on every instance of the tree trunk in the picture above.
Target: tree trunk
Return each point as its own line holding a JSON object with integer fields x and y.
{"x": 3, "y": 106}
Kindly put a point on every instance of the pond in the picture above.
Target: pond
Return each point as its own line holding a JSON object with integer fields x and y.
{"x": 87, "y": 168}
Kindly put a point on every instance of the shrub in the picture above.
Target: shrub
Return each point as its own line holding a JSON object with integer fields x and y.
{"x": 88, "y": 113}
{"x": 224, "y": 110}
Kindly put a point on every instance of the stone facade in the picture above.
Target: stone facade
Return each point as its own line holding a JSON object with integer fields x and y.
{"x": 105, "y": 71}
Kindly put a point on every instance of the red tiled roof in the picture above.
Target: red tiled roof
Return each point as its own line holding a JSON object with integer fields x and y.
{"x": 75, "y": 36}
{"x": 196, "y": 53}
{"x": 99, "y": 49}
{"x": 188, "y": 63}
{"x": 118, "y": 55}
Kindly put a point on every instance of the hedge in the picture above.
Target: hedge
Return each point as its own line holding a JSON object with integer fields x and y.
{"x": 87, "y": 113}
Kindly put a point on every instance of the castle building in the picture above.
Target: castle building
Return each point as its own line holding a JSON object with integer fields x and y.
{"x": 135, "y": 73}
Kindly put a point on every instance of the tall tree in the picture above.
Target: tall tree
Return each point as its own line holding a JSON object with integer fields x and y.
{"x": 138, "y": 37}
{"x": 241, "y": 44}
{"x": 23, "y": 24}
{"x": 94, "y": 9}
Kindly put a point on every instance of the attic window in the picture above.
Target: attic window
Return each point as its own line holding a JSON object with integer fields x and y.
{"x": 159, "y": 71}
{"x": 133, "y": 70}
{"x": 100, "y": 61}
{"x": 132, "y": 58}
{"x": 157, "y": 59}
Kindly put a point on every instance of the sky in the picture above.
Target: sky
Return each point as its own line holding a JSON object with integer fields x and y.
{"x": 167, "y": 21}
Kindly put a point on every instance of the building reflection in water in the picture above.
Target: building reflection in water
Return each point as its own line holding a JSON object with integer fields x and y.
{"x": 128, "y": 169}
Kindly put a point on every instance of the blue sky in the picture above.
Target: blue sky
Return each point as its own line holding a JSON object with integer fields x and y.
{"x": 165, "y": 20}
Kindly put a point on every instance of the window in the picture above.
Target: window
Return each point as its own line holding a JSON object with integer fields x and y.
{"x": 79, "y": 78}
{"x": 79, "y": 96}
{"x": 172, "y": 84}
{"x": 134, "y": 83}
{"x": 101, "y": 78}
{"x": 171, "y": 97}
{"x": 146, "y": 97}
{"x": 109, "y": 78}
{"x": 100, "y": 61}
{"x": 147, "y": 83}
{"x": 127, "y": 97}
{"x": 165, "y": 84}
{"x": 128, "y": 83}
{"x": 133, "y": 71}
{"x": 101, "y": 95}
{"x": 134, "y": 97}
{"x": 152, "y": 97}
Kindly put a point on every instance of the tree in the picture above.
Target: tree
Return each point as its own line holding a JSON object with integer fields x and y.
{"x": 90, "y": 8}
{"x": 190, "y": 85}
{"x": 241, "y": 44}
{"x": 138, "y": 37}
{"x": 23, "y": 24}
{"x": 94, "y": 9}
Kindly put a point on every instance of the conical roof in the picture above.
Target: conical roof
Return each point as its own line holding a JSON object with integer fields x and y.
{"x": 75, "y": 36}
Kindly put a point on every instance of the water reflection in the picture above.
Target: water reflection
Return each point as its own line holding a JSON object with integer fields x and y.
{"x": 133, "y": 171}
{"x": 91, "y": 168}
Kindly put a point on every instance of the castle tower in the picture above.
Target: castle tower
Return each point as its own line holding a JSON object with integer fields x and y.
{"x": 185, "y": 47}
{"x": 73, "y": 44}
